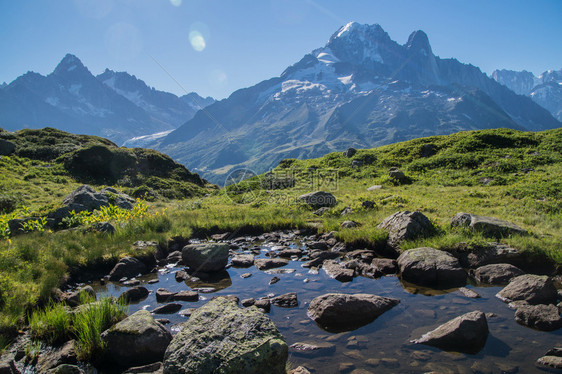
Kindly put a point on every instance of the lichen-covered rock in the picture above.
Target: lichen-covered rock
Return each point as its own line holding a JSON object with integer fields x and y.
{"x": 344, "y": 312}
{"x": 430, "y": 266}
{"x": 489, "y": 226}
{"x": 64, "y": 354}
{"x": 209, "y": 257}
{"x": 222, "y": 338}
{"x": 467, "y": 333}
{"x": 127, "y": 267}
{"x": 541, "y": 317}
{"x": 155, "y": 368}
{"x": 534, "y": 289}
{"x": 406, "y": 225}
{"x": 136, "y": 340}
{"x": 497, "y": 273}
{"x": 319, "y": 199}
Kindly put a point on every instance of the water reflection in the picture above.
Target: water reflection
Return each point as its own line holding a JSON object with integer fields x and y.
{"x": 207, "y": 281}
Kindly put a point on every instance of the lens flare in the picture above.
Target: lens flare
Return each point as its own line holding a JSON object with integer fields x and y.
{"x": 176, "y": 2}
{"x": 197, "y": 40}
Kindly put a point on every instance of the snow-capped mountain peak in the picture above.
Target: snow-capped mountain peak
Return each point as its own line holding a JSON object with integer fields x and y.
{"x": 70, "y": 65}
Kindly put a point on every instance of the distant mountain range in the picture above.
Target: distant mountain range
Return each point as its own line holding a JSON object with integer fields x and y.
{"x": 362, "y": 90}
{"x": 115, "y": 105}
{"x": 545, "y": 90}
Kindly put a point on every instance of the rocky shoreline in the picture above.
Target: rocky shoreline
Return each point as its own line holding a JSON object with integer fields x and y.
{"x": 231, "y": 335}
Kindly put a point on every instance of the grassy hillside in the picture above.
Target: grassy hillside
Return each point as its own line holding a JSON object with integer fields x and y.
{"x": 511, "y": 175}
{"x": 47, "y": 164}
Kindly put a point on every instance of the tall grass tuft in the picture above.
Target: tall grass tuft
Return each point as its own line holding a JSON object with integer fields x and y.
{"x": 91, "y": 320}
{"x": 52, "y": 324}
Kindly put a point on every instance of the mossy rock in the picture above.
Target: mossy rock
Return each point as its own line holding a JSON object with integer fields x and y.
{"x": 222, "y": 338}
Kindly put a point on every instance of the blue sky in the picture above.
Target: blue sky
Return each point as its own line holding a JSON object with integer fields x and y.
{"x": 214, "y": 47}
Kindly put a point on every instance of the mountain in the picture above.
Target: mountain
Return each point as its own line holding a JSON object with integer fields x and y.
{"x": 361, "y": 89}
{"x": 546, "y": 90}
{"x": 114, "y": 105}
{"x": 162, "y": 106}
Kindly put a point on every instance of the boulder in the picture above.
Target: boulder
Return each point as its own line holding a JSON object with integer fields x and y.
{"x": 337, "y": 271}
{"x": 385, "y": 265}
{"x": 64, "y": 354}
{"x": 104, "y": 227}
{"x": 288, "y": 300}
{"x": 163, "y": 295}
{"x": 429, "y": 266}
{"x": 209, "y": 257}
{"x": 73, "y": 298}
{"x": 497, "y": 273}
{"x": 534, "y": 289}
{"x": 6, "y": 147}
{"x": 186, "y": 296}
{"x": 136, "y": 340}
{"x": 222, "y": 338}
{"x": 242, "y": 261}
{"x": 406, "y": 225}
{"x": 488, "y": 226}
{"x": 397, "y": 175}
{"x": 127, "y": 267}
{"x": 552, "y": 358}
{"x": 270, "y": 263}
{"x": 348, "y": 224}
{"x": 290, "y": 252}
{"x": 492, "y": 253}
{"x": 321, "y": 211}
{"x": 350, "y": 152}
{"x": 345, "y": 312}
{"x": 170, "y": 308}
{"x": 135, "y": 294}
{"x": 467, "y": 333}
{"x": 86, "y": 198}
{"x": 299, "y": 370}
{"x": 541, "y": 317}
{"x": 374, "y": 187}
{"x": 319, "y": 199}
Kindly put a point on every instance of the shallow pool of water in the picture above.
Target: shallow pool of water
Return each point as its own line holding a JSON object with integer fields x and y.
{"x": 382, "y": 346}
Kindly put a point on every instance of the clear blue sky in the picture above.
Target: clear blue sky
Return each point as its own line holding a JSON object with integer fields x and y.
{"x": 214, "y": 47}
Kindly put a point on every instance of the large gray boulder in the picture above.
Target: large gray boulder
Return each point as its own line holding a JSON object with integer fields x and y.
{"x": 497, "y": 273}
{"x": 432, "y": 267}
{"x": 319, "y": 199}
{"x": 6, "y": 147}
{"x": 467, "y": 333}
{"x": 209, "y": 257}
{"x": 136, "y": 340}
{"x": 541, "y": 317}
{"x": 491, "y": 253}
{"x": 127, "y": 267}
{"x": 489, "y": 226}
{"x": 345, "y": 312}
{"x": 91, "y": 200}
{"x": 406, "y": 225}
{"x": 222, "y": 338}
{"x": 534, "y": 289}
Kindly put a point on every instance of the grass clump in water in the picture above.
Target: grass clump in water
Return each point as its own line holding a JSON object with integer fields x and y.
{"x": 52, "y": 325}
{"x": 91, "y": 320}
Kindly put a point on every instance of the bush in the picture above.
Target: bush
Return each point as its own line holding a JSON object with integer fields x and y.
{"x": 9, "y": 203}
